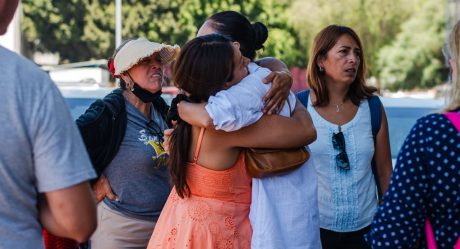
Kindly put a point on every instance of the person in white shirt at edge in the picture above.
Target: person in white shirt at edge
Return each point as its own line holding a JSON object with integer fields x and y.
{"x": 44, "y": 167}
{"x": 284, "y": 210}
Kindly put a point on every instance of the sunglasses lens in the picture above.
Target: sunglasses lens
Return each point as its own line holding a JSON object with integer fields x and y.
{"x": 334, "y": 142}
{"x": 338, "y": 142}
{"x": 342, "y": 161}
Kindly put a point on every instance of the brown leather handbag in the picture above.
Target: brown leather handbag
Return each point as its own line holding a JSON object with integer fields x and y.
{"x": 266, "y": 162}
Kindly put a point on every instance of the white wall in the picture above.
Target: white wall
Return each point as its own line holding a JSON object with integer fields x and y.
{"x": 12, "y": 38}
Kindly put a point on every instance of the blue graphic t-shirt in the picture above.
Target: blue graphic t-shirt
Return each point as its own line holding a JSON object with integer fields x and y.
{"x": 138, "y": 174}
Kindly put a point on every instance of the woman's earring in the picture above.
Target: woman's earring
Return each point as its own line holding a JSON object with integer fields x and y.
{"x": 321, "y": 69}
{"x": 128, "y": 86}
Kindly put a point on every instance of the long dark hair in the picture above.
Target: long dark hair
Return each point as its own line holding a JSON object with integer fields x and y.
{"x": 238, "y": 28}
{"x": 324, "y": 41}
{"x": 204, "y": 65}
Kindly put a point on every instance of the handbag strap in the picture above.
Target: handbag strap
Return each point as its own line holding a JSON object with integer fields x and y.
{"x": 198, "y": 145}
{"x": 454, "y": 118}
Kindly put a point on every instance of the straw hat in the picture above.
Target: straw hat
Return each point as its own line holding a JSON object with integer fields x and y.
{"x": 136, "y": 50}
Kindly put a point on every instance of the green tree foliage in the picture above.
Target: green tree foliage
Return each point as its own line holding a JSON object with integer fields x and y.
{"x": 283, "y": 41}
{"x": 402, "y": 38}
{"x": 415, "y": 59}
{"x": 84, "y": 29}
{"x": 53, "y": 26}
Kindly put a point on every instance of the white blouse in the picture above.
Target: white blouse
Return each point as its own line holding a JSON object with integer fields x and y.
{"x": 347, "y": 198}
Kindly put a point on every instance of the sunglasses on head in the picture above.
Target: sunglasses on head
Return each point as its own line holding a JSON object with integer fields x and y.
{"x": 341, "y": 159}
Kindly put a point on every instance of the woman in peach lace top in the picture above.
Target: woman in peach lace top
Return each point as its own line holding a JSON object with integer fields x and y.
{"x": 209, "y": 204}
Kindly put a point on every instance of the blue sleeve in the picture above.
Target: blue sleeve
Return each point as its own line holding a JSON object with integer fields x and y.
{"x": 59, "y": 154}
{"x": 399, "y": 221}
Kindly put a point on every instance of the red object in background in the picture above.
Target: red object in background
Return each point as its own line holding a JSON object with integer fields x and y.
{"x": 299, "y": 78}
{"x": 55, "y": 242}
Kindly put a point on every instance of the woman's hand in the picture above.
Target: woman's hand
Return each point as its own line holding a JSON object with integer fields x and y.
{"x": 275, "y": 98}
{"x": 102, "y": 189}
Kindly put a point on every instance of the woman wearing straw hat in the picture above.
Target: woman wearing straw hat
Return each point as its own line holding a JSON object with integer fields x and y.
{"x": 123, "y": 135}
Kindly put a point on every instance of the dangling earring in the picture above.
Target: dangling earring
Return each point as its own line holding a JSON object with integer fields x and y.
{"x": 321, "y": 69}
{"x": 131, "y": 80}
{"x": 128, "y": 86}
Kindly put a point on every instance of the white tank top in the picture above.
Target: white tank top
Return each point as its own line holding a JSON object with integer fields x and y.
{"x": 347, "y": 198}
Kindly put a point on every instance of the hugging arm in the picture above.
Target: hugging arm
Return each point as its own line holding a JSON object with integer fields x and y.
{"x": 272, "y": 63}
{"x": 277, "y": 132}
{"x": 229, "y": 110}
{"x": 195, "y": 114}
{"x": 281, "y": 80}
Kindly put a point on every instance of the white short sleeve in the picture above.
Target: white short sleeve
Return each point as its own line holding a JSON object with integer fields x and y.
{"x": 241, "y": 105}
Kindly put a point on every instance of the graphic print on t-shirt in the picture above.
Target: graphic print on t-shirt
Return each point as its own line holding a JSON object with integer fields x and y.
{"x": 153, "y": 141}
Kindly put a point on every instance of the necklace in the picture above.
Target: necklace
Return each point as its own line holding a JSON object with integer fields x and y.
{"x": 337, "y": 107}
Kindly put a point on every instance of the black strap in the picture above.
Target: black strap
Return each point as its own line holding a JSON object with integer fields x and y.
{"x": 375, "y": 106}
{"x": 303, "y": 97}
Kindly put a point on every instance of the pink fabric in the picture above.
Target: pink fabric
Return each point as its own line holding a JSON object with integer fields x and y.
{"x": 430, "y": 241}
{"x": 454, "y": 118}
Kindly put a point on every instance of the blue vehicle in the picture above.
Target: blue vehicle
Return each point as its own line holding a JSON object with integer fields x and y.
{"x": 79, "y": 98}
{"x": 402, "y": 113}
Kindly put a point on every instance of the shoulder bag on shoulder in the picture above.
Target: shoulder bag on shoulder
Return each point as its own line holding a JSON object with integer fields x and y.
{"x": 266, "y": 162}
